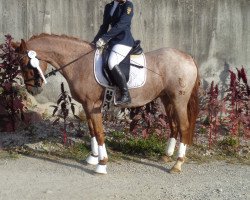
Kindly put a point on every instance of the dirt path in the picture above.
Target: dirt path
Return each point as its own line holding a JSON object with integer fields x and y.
{"x": 35, "y": 178}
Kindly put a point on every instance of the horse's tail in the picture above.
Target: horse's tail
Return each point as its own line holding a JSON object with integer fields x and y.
{"x": 193, "y": 107}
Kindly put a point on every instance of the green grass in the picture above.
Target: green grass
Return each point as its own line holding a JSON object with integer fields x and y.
{"x": 152, "y": 146}
{"x": 76, "y": 152}
{"x": 55, "y": 150}
{"x": 125, "y": 146}
{"x": 8, "y": 154}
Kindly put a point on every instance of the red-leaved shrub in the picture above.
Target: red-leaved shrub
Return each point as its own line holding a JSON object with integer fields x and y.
{"x": 11, "y": 98}
{"x": 237, "y": 104}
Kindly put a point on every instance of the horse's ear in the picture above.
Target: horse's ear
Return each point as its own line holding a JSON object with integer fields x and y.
{"x": 23, "y": 47}
{"x": 15, "y": 45}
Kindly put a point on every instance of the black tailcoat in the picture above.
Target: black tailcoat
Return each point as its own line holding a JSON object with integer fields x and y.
{"x": 120, "y": 22}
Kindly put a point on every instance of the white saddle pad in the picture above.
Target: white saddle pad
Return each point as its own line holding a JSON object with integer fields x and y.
{"x": 137, "y": 76}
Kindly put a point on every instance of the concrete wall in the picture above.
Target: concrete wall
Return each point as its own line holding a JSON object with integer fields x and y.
{"x": 215, "y": 32}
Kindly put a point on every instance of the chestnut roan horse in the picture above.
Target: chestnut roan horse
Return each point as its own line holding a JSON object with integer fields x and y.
{"x": 172, "y": 76}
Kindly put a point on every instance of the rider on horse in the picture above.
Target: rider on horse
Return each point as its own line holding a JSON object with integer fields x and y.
{"x": 119, "y": 15}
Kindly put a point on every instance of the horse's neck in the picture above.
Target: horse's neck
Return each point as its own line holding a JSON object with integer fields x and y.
{"x": 59, "y": 55}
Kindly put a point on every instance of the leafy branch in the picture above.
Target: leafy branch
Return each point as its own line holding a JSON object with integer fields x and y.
{"x": 62, "y": 110}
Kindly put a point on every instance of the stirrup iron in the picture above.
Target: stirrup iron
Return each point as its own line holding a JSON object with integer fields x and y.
{"x": 108, "y": 98}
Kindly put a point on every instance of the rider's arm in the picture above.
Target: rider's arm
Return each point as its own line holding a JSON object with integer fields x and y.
{"x": 105, "y": 24}
{"x": 123, "y": 24}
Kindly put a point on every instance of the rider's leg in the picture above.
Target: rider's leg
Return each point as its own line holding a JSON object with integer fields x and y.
{"x": 118, "y": 53}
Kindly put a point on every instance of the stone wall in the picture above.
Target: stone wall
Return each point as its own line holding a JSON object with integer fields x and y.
{"x": 215, "y": 32}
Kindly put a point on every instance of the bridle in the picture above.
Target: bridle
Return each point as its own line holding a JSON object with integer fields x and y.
{"x": 35, "y": 66}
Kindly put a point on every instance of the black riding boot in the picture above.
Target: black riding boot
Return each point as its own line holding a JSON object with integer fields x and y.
{"x": 121, "y": 82}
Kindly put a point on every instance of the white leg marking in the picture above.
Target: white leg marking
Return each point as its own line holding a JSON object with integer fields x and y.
{"x": 170, "y": 146}
{"x": 102, "y": 168}
{"x": 102, "y": 152}
{"x": 182, "y": 150}
{"x": 92, "y": 159}
{"x": 94, "y": 146}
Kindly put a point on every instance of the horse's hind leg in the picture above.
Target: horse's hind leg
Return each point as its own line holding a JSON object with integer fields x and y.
{"x": 174, "y": 131}
{"x": 181, "y": 111}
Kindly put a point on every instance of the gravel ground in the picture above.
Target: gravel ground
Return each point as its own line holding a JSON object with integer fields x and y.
{"x": 29, "y": 178}
{"x": 38, "y": 178}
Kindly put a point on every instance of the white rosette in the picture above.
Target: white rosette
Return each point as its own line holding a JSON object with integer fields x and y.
{"x": 35, "y": 63}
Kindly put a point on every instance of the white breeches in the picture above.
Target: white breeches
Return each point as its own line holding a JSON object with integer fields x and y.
{"x": 118, "y": 53}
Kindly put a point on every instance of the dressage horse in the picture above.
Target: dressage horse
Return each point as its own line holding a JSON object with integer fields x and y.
{"x": 171, "y": 75}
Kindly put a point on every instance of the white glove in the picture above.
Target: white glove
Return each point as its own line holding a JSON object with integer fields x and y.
{"x": 100, "y": 43}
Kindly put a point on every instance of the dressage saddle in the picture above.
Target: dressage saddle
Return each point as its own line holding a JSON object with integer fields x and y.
{"x": 125, "y": 63}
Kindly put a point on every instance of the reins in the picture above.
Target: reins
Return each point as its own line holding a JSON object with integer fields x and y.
{"x": 53, "y": 72}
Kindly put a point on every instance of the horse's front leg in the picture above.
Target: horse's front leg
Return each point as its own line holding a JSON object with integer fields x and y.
{"x": 92, "y": 159}
{"x": 96, "y": 119}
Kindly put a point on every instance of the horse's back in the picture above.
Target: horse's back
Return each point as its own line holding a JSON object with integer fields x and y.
{"x": 173, "y": 64}
{"x": 172, "y": 54}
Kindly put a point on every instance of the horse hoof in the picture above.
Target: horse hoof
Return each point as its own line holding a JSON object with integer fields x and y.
{"x": 92, "y": 160}
{"x": 166, "y": 159}
{"x": 101, "y": 169}
{"x": 174, "y": 170}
